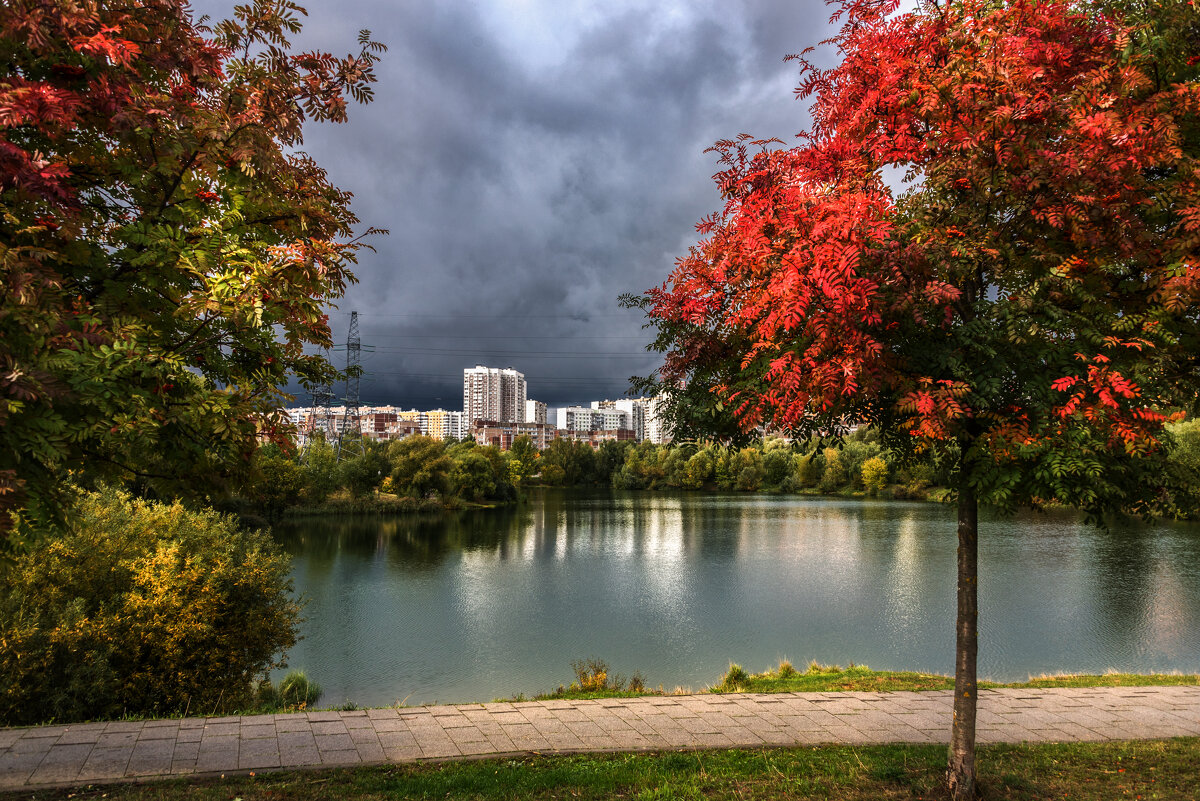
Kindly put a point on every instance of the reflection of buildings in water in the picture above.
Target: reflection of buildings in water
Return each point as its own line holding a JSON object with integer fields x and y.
{"x": 811, "y": 532}
{"x": 663, "y": 572}
{"x": 663, "y": 536}
{"x": 904, "y": 581}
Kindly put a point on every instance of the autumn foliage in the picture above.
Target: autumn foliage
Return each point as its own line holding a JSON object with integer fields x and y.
{"x": 1032, "y": 290}
{"x": 166, "y": 249}
{"x": 1026, "y": 307}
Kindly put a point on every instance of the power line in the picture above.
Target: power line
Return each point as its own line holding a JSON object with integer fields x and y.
{"x": 542, "y": 354}
{"x": 490, "y": 337}
{"x": 511, "y": 316}
{"x": 563, "y": 379}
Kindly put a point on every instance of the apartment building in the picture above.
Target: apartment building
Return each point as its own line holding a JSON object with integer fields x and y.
{"x": 491, "y": 393}
{"x": 583, "y": 418}
{"x": 494, "y": 432}
{"x": 535, "y": 411}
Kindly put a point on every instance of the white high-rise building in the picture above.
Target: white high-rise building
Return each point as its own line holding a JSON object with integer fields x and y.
{"x": 581, "y": 418}
{"x": 491, "y": 393}
{"x": 535, "y": 411}
{"x": 656, "y": 428}
{"x": 634, "y": 407}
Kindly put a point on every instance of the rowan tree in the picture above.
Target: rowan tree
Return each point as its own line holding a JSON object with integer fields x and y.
{"x": 166, "y": 250}
{"x": 1025, "y": 307}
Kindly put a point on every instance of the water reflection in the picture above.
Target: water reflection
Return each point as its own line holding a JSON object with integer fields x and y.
{"x": 489, "y": 603}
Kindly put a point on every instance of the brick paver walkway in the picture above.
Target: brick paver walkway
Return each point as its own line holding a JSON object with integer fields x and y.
{"x": 105, "y": 752}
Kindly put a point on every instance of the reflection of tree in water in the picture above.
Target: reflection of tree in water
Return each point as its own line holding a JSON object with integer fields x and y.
{"x": 410, "y": 542}
{"x": 1132, "y": 560}
{"x": 1125, "y": 558}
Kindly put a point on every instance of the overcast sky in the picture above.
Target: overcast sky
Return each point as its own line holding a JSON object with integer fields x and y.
{"x": 534, "y": 159}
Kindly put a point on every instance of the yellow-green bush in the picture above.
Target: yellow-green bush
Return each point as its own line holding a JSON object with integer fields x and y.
{"x": 138, "y": 607}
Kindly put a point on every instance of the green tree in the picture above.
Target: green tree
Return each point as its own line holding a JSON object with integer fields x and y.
{"x": 874, "y": 474}
{"x": 747, "y": 469}
{"x": 362, "y": 473}
{"x": 420, "y": 466}
{"x": 320, "y": 471}
{"x": 474, "y": 476}
{"x": 167, "y": 251}
{"x": 276, "y": 481}
{"x": 778, "y": 467}
{"x": 609, "y": 459}
{"x": 524, "y": 458}
{"x": 699, "y": 470}
{"x": 834, "y": 476}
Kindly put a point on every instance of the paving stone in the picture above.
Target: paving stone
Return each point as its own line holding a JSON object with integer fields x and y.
{"x": 185, "y": 750}
{"x": 298, "y": 757}
{"x": 316, "y": 717}
{"x": 256, "y": 732}
{"x": 158, "y": 733}
{"x": 370, "y": 752}
{"x": 383, "y": 714}
{"x": 296, "y": 740}
{"x": 293, "y": 724}
{"x": 32, "y": 745}
{"x": 62, "y": 755}
{"x": 439, "y": 748}
{"x": 334, "y": 742}
{"x": 348, "y": 757}
{"x": 88, "y": 733}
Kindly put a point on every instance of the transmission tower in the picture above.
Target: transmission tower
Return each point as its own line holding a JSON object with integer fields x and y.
{"x": 320, "y": 416}
{"x": 350, "y": 432}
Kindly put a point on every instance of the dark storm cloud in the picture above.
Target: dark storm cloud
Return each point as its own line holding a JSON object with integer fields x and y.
{"x": 533, "y": 160}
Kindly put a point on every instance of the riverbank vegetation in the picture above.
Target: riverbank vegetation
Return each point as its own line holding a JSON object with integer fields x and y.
{"x": 594, "y": 678}
{"x": 415, "y": 474}
{"x": 140, "y": 607}
{"x": 419, "y": 474}
{"x": 1163, "y": 769}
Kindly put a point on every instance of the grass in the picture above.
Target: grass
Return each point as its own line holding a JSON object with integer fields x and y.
{"x": 1163, "y": 769}
{"x": 856, "y": 678}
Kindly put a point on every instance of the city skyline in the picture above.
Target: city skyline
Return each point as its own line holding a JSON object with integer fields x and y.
{"x": 533, "y": 161}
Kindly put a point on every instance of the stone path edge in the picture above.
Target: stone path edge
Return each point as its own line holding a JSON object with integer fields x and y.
{"x": 71, "y": 755}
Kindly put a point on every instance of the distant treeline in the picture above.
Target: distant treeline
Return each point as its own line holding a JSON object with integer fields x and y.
{"x": 422, "y": 473}
{"x": 771, "y": 465}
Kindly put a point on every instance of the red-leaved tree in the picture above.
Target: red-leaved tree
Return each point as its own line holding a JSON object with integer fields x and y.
{"x": 166, "y": 250}
{"x": 1027, "y": 307}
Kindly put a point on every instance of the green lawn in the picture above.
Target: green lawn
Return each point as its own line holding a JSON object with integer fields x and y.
{"x": 1160, "y": 769}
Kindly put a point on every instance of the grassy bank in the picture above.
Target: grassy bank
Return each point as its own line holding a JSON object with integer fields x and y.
{"x": 594, "y": 679}
{"x": 1163, "y": 769}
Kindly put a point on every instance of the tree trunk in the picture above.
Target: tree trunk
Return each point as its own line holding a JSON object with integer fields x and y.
{"x": 961, "y": 773}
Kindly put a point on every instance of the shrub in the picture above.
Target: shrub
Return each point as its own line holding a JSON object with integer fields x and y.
{"x": 297, "y": 690}
{"x": 834, "y": 477}
{"x": 786, "y": 671}
{"x": 591, "y": 674}
{"x": 874, "y": 474}
{"x": 140, "y": 608}
{"x": 736, "y": 678}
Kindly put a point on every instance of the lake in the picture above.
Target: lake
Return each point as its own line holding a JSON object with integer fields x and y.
{"x": 487, "y": 604}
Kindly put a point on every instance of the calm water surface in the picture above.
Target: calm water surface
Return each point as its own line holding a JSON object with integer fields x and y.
{"x": 489, "y": 604}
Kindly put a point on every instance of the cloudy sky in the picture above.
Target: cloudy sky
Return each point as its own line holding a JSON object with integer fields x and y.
{"x": 533, "y": 159}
